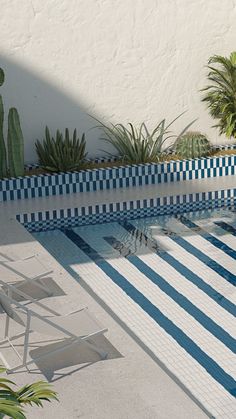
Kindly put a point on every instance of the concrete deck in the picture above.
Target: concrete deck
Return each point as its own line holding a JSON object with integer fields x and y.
{"x": 130, "y": 384}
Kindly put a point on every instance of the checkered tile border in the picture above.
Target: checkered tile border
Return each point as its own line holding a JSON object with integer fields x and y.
{"x": 115, "y": 177}
{"x": 225, "y": 147}
{"x": 49, "y": 220}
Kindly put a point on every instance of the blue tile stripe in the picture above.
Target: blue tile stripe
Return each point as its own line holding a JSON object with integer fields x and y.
{"x": 181, "y": 338}
{"x": 207, "y": 236}
{"x": 176, "y": 296}
{"x": 115, "y": 177}
{"x": 227, "y": 227}
{"x": 46, "y": 220}
{"x": 183, "y": 270}
{"x": 215, "y": 266}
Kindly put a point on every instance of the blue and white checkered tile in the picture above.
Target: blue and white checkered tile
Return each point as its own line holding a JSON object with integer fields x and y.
{"x": 225, "y": 147}
{"x": 31, "y": 166}
{"x": 41, "y": 221}
{"x": 103, "y": 159}
{"x": 115, "y": 177}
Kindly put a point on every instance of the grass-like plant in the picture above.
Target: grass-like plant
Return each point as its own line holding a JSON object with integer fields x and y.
{"x": 62, "y": 153}
{"x": 139, "y": 145}
{"x": 12, "y": 401}
{"x": 220, "y": 94}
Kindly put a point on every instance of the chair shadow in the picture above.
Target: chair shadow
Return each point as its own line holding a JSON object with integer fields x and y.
{"x": 34, "y": 291}
{"x": 74, "y": 358}
{"x": 31, "y": 288}
{"x": 41, "y": 101}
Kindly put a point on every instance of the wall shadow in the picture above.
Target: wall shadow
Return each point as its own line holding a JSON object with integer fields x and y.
{"x": 42, "y": 103}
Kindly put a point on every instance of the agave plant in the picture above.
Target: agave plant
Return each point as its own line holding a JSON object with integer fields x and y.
{"x": 192, "y": 145}
{"x": 12, "y": 402}
{"x": 61, "y": 154}
{"x": 139, "y": 145}
{"x": 220, "y": 94}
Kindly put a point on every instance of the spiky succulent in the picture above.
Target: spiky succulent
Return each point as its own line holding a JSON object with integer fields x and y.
{"x": 61, "y": 154}
{"x": 139, "y": 145}
{"x": 220, "y": 94}
{"x": 192, "y": 145}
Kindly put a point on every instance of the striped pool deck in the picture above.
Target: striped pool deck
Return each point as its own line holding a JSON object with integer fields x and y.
{"x": 171, "y": 281}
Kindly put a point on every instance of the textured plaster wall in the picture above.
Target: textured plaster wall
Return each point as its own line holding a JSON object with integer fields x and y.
{"x": 120, "y": 60}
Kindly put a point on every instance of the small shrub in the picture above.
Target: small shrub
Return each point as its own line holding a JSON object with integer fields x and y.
{"x": 192, "y": 145}
{"x": 61, "y": 154}
{"x": 139, "y": 145}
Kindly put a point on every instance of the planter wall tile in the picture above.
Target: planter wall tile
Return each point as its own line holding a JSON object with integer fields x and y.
{"x": 115, "y": 177}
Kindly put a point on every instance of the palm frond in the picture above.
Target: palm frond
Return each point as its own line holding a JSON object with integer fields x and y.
{"x": 12, "y": 401}
{"x": 220, "y": 94}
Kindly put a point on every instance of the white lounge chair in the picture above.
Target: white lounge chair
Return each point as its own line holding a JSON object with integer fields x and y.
{"x": 19, "y": 272}
{"x": 76, "y": 327}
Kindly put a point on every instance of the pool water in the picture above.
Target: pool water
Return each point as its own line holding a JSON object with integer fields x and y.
{"x": 171, "y": 280}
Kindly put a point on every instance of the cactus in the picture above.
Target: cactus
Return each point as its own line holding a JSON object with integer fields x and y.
{"x": 192, "y": 145}
{"x": 2, "y": 76}
{"x": 3, "y": 156}
{"x": 14, "y": 139}
{"x": 15, "y": 144}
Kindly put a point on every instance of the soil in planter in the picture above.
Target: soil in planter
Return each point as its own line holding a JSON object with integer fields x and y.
{"x": 101, "y": 165}
{"x": 222, "y": 153}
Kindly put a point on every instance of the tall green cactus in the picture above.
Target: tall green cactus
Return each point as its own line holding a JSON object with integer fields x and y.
{"x": 3, "y": 156}
{"x": 15, "y": 144}
{"x": 14, "y": 139}
{"x": 2, "y": 76}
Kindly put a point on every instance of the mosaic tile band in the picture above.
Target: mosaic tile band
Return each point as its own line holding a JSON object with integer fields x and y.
{"x": 49, "y": 220}
{"x": 115, "y": 177}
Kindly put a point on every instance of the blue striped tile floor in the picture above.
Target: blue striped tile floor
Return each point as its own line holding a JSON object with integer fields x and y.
{"x": 171, "y": 280}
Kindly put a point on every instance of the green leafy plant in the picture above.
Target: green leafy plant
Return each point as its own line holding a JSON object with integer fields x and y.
{"x": 62, "y": 153}
{"x": 139, "y": 145}
{"x": 15, "y": 141}
{"x": 192, "y": 145}
{"x": 220, "y": 94}
{"x": 12, "y": 402}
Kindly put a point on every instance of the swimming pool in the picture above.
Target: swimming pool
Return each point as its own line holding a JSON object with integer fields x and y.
{"x": 171, "y": 281}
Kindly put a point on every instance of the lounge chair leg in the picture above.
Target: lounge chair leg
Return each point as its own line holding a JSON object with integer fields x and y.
{"x": 26, "y": 342}
{"x": 7, "y": 327}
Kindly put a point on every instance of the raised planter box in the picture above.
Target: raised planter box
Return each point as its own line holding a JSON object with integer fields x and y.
{"x": 116, "y": 177}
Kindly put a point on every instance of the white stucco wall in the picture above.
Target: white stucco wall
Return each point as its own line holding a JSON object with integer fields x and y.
{"x": 120, "y": 60}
